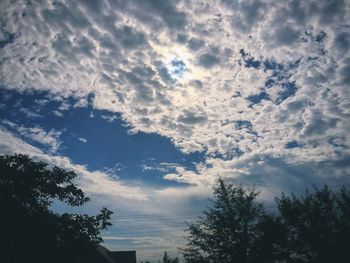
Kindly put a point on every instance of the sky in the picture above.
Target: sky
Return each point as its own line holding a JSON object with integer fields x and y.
{"x": 150, "y": 101}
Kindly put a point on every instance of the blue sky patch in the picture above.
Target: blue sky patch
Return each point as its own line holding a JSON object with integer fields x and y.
{"x": 292, "y": 144}
{"x": 97, "y": 138}
{"x": 255, "y": 99}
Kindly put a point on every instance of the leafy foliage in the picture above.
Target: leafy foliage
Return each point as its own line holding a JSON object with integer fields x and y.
{"x": 30, "y": 231}
{"x": 228, "y": 230}
{"x": 311, "y": 228}
{"x": 317, "y": 226}
{"x": 167, "y": 259}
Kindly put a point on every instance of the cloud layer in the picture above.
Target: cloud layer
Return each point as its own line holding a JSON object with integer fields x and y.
{"x": 260, "y": 87}
{"x": 229, "y": 78}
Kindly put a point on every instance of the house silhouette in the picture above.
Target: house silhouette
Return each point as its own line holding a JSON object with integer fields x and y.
{"x": 103, "y": 255}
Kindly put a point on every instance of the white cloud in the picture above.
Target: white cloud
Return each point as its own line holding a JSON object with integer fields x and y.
{"x": 38, "y": 134}
{"x": 57, "y": 113}
{"x": 96, "y": 183}
{"x": 10, "y": 144}
{"x": 30, "y": 114}
{"x": 132, "y": 205}
{"x": 83, "y": 140}
{"x": 255, "y": 76}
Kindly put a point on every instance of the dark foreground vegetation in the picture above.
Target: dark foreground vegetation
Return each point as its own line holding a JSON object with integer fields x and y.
{"x": 236, "y": 228}
{"x": 29, "y": 230}
{"x": 314, "y": 228}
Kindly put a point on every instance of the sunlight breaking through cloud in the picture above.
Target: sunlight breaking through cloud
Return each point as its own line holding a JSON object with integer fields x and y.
{"x": 255, "y": 91}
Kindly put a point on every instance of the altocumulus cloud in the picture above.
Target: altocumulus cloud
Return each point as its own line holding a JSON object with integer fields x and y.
{"x": 264, "y": 83}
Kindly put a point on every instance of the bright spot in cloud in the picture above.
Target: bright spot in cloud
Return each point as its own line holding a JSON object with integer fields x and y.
{"x": 178, "y": 61}
{"x": 176, "y": 67}
{"x": 259, "y": 88}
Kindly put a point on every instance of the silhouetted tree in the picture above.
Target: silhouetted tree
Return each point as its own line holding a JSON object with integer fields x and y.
{"x": 229, "y": 230}
{"x": 29, "y": 230}
{"x": 167, "y": 259}
{"x": 310, "y": 228}
{"x": 316, "y": 226}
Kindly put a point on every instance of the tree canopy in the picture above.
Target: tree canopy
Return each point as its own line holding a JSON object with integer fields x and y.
{"x": 167, "y": 259}
{"x": 228, "y": 230}
{"x": 237, "y": 228}
{"x": 316, "y": 226}
{"x": 30, "y": 230}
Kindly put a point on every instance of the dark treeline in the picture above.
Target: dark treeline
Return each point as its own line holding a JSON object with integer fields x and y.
{"x": 238, "y": 228}
{"x": 314, "y": 227}
{"x": 167, "y": 259}
{"x": 29, "y": 231}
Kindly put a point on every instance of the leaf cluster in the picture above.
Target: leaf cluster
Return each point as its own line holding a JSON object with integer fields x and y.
{"x": 30, "y": 230}
{"x": 237, "y": 228}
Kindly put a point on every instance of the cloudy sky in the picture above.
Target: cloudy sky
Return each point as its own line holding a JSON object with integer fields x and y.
{"x": 150, "y": 101}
